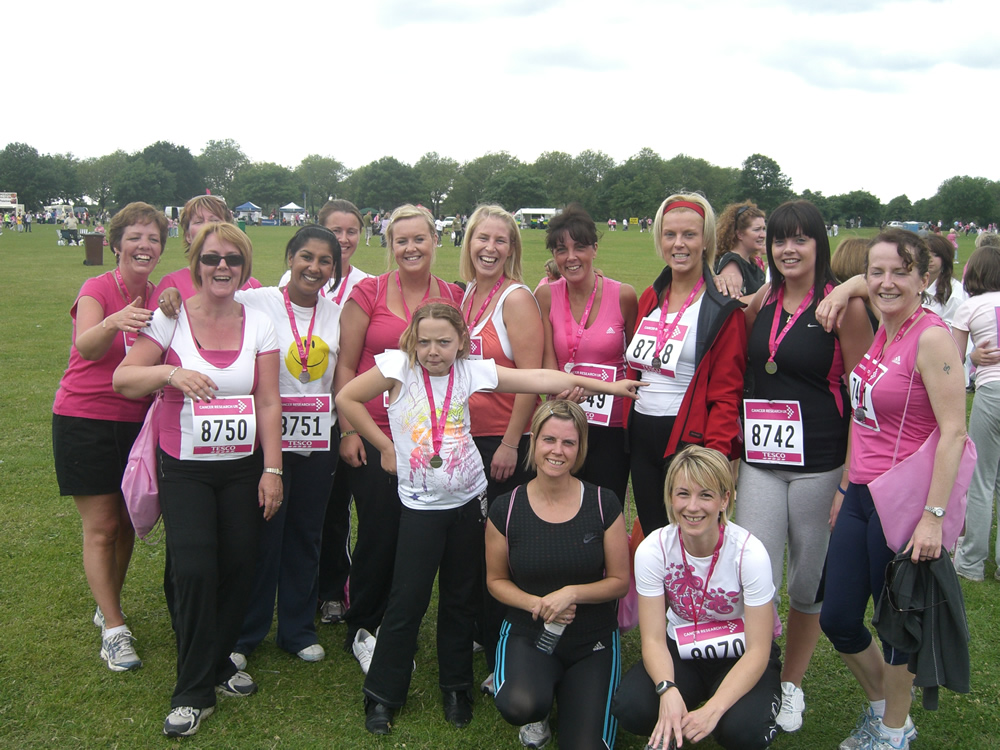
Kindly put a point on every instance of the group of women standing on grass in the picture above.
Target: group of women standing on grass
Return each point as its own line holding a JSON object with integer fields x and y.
{"x": 433, "y": 441}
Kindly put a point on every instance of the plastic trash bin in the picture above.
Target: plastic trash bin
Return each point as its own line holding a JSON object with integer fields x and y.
{"x": 242, "y": 225}
{"x": 93, "y": 243}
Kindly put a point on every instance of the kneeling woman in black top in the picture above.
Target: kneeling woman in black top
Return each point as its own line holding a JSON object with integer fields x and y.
{"x": 557, "y": 555}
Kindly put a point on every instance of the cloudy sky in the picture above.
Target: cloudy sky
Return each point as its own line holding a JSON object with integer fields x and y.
{"x": 889, "y": 97}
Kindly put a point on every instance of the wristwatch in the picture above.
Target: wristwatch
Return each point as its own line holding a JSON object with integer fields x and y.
{"x": 936, "y": 510}
{"x": 664, "y": 685}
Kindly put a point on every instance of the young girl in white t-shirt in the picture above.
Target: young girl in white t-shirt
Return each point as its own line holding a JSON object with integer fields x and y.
{"x": 442, "y": 486}
{"x": 978, "y": 317}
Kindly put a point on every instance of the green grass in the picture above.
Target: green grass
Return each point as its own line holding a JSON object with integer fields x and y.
{"x": 55, "y": 692}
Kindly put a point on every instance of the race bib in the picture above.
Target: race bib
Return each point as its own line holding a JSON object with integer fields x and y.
{"x": 225, "y": 427}
{"x": 772, "y": 432}
{"x": 475, "y": 347}
{"x": 597, "y": 407}
{"x": 712, "y": 640}
{"x": 305, "y": 422}
{"x": 641, "y": 351}
{"x": 863, "y": 379}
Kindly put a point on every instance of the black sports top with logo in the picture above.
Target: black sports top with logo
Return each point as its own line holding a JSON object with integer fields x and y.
{"x": 809, "y": 370}
{"x": 544, "y": 557}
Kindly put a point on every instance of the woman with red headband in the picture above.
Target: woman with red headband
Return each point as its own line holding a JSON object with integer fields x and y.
{"x": 690, "y": 345}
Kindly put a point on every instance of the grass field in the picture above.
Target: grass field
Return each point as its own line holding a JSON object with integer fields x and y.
{"x": 55, "y": 692}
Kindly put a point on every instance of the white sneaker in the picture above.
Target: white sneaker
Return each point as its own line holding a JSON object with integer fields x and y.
{"x": 119, "y": 652}
{"x": 331, "y": 612}
{"x": 99, "y": 617}
{"x": 536, "y": 734}
{"x": 363, "y": 648}
{"x": 869, "y": 729}
{"x": 240, "y": 685}
{"x": 314, "y": 652}
{"x": 239, "y": 660}
{"x": 488, "y": 686}
{"x": 184, "y": 721}
{"x": 793, "y": 703}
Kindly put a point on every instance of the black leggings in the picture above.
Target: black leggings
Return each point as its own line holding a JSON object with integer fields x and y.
{"x": 648, "y": 438}
{"x": 747, "y": 725}
{"x": 581, "y": 678}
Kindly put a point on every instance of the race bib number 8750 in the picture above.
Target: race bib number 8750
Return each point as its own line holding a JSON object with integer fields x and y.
{"x": 225, "y": 426}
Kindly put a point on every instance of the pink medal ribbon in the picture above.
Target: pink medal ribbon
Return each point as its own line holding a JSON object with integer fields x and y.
{"x": 489, "y": 298}
{"x": 664, "y": 334}
{"x": 695, "y": 613}
{"x": 123, "y": 290}
{"x": 303, "y": 351}
{"x": 402, "y": 296}
{"x": 437, "y": 427}
{"x": 573, "y": 340}
{"x": 872, "y": 375}
{"x": 774, "y": 341}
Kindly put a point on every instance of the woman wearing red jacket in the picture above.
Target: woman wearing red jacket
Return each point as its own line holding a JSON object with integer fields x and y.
{"x": 690, "y": 346}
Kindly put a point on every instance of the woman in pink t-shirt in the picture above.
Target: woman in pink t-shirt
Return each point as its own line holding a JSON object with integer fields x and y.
{"x": 908, "y": 383}
{"x": 93, "y": 427}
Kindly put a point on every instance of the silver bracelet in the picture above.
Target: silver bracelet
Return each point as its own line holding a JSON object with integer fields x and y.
{"x": 172, "y": 373}
{"x": 270, "y": 470}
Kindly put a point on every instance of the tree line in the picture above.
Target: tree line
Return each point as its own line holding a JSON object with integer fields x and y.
{"x": 168, "y": 175}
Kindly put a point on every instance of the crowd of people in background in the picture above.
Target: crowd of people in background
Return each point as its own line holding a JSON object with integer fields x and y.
{"x": 747, "y": 400}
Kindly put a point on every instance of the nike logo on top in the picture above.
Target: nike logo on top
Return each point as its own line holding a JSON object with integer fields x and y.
{"x": 590, "y": 537}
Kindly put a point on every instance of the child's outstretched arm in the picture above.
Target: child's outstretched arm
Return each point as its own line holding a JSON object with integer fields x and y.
{"x": 351, "y": 405}
{"x": 554, "y": 381}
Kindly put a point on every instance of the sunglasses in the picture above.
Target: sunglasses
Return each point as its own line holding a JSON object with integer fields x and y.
{"x": 233, "y": 260}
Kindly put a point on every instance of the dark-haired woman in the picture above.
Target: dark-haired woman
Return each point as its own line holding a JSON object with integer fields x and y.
{"x": 795, "y": 425}
{"x": 587, "y": 318}
{"x": 740, "y": 232}
{"x": 308, "y": 329}
{"x": 944, "y": 292}
{"x": 93, "y": 427}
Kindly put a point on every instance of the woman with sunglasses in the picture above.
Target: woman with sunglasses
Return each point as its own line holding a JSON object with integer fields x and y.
{"x": 740, "y": 232}
{"x": 219, "y": 460}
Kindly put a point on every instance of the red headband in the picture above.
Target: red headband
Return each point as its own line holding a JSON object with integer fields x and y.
{"x": 685, "y": 204}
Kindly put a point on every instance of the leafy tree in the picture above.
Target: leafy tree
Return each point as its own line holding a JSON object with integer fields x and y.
{"x": 560, "y": 178}
{"x": 19, "y": 172}
{"x": 858, "y": 204}
{"x": 469, "y": 187}
{"x": 968, "y": 199}
{"x": 592, "y": 168}
{"x": 763, "y": 182}
{"x": 436, "y": 176}
{"x": 386, "y": 183}
{"x": 267, "y": 184}
{"x": 514, "y": 188}
{"x": 319, "y": 178}
{"x": 58, "y": 180}
{"x": 636, "y": 187}
{"x": 219, "y": 162}
{"x": 821, "y": 202}
{"x": 718, "y": 184}
{"x": 898, "y": 209}
{"x": 178, "y": 161}
{"x": 98, "y": 175}
{"x": 140, "y": 180}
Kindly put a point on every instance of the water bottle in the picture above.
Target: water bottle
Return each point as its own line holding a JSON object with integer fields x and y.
{"x": 549, "y": 637}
